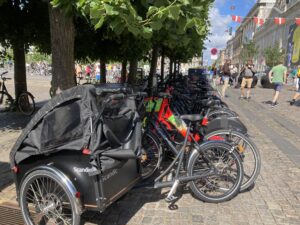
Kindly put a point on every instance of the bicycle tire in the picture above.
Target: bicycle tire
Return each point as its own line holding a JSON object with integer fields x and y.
{"x": 221, "y": 112}
{"x": 250, "y": 175}
{"x": 31, "y": 183}
{"x": 148, "y": 168}
{"x": 26, "y": 104}
{"x": 6, "y": 101}
{"x": 203, "y": 195}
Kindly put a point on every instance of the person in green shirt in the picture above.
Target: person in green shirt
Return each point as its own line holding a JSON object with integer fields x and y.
{"x": 277, "y": 76}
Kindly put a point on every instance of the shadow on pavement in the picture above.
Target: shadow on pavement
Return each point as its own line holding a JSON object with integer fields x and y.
{"x": 16, "y": 120}
{"x": 13, "y": 121}
{"x": 122, "y": 211}
{"x": 6, "y": 177}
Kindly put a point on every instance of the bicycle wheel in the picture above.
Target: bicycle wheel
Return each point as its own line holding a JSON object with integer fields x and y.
{"x": 225, "y": 181}
{"x": 26, "y": 103}
{"x": 45, "y": 199}
{"x": 151, "y": 156}
{"x": 5, "y": 101}
{"x": 248, "y": 151}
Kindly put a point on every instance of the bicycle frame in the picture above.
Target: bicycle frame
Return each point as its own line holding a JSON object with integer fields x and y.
{"x": 179, "y": 157}
{"x": 3, "y": 87}
{"x": 167, "y": 117}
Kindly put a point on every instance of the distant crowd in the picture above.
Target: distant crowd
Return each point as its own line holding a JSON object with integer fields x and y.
{"x": 227, "y": 75}
{"x": 92, "y": 72}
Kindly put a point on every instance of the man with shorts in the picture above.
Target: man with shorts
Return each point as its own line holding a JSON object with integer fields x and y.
{"x": 298, "y": 86}
{"x": 277, "y": 76}
{"x": 248, "y": 72}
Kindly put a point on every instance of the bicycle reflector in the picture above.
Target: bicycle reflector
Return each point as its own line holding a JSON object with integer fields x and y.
{"x": 86, "y": 151}
{"x": 15, "y": 169}
{"x": 78, "y": 194}
{"x": 204, "y": 121}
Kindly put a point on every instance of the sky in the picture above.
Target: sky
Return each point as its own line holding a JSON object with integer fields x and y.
{"x": 220, "y": 18}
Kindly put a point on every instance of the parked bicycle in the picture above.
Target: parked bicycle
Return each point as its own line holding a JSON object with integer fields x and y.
{"x": 24, "y": 101}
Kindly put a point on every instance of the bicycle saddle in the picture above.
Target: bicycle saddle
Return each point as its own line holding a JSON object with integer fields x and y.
{"x": 192, "y": 117}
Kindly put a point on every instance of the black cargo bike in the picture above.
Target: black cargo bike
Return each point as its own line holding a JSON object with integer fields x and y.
{"x": 82, "y": 150}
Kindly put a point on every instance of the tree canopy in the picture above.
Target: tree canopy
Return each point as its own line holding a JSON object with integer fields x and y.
{"x": 273, "y": 55}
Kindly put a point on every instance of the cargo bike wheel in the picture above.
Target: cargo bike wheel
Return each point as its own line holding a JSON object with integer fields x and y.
{"x": 46, "y": 199}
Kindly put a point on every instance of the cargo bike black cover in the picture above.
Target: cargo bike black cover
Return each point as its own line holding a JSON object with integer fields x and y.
{"x": 91, "y": 141}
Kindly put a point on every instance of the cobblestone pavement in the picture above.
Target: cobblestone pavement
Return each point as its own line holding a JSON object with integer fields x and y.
{"x": 275, "y": 199}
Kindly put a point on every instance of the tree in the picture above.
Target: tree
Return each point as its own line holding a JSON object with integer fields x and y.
{"x": 145, "y": 19}
{"x": 62, "y": 47}
{"x": 23, "y": 23}
{"x": 273, "y": 55}
{"x": 249, "y": 51}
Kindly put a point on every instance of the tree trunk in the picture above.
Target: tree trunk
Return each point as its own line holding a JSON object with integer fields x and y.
{"x": 19, "y": 67}
{"x": 175, "y": 68}
{"x": 132, "y": 71}
{"x": 124, "y": 71}
{"x": 171, "y": 68}
{"x": 162, "y": 67}
{"x": 102, "y": 71}
{"x": 153, "y": 66}
{"x": 62, "y": 47}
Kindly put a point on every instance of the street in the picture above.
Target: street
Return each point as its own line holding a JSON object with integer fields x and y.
{"x": 275, "y": 199}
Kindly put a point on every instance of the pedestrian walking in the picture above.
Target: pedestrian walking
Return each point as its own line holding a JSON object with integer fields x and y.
{"x": 234, "y": 74}
{"x": 225, "y": 77}
{"x": 248, "y": 73}
{"x": 277, "y": 76}
{"x": 78, "y": 72}
{"x": 297, "y": 94}
{"x": 97, "y": 72}
{"x": 295, "y": 77}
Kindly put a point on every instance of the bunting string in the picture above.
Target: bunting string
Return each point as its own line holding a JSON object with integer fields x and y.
{"x": 261, "y": 21}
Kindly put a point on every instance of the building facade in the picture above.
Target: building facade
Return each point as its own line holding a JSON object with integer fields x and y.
{"x": 287, "y": 35}
{"x": 247, "y": 30}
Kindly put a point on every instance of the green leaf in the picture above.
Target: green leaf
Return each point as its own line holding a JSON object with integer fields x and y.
{"x": 190, "y": 23}
{"x": 181, "y": 25}
{"x": 110, "y": 10}
{"x": 174, "y": 12}
{"x": 119, "y": 28}
{"x": 99, "y": 24}
{"x": 96, "y": 13}
{"x": 134, "y": 30}
{"x": 147, "y": 32}
{"x": 185, "y": 2}
{"x": 151, "y": 10}
{"x": 156, "y": 25}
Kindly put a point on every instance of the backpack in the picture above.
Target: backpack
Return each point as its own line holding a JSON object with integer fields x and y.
{"x": 226, "y": 69}
{"x": 298, "y": 73}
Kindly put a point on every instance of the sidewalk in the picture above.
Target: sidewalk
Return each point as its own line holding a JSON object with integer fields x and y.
{"x": 275, "y": 199}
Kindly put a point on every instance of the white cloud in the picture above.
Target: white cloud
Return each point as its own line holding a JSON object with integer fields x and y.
{"x": 218, "y": 37}
{"x": 220, "y": 2}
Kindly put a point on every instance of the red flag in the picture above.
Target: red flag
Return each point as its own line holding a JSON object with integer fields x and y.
{"x": 297, "y": 21}
{"x": 236, "y": 19}
{"x": 259, "y": 21}
{"x": 279, "y": 20}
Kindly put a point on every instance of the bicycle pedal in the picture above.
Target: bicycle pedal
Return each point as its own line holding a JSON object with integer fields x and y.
{"x": 171, "y": 198}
